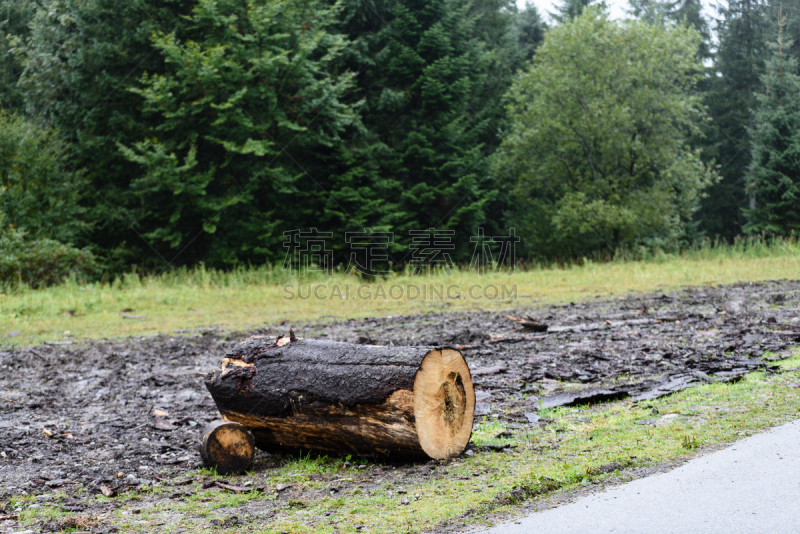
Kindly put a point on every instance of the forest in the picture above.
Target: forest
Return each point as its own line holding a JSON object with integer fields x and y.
{"x": 155, "y": 134}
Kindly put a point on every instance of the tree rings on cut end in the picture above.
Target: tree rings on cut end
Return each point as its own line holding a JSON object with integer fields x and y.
{"x": 227, "y": 446}
{"x": 444, "y": 404}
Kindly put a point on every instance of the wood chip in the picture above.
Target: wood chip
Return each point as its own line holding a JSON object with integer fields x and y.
{"x": 58, "y": 482}
{"x": 235, "y": 489}
{"x": 163, "y": 424}
{"x": 529, "y": 323}
{"x": 496, "y": 369}
{"x": 160, "y": 413}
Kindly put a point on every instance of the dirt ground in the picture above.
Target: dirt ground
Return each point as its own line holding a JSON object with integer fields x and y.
{"x": 73, "y": 417}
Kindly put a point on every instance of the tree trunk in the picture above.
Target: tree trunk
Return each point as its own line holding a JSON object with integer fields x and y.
{"x": 364, "y": 400}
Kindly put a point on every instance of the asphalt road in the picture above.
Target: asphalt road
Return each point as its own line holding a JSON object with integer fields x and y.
{"x": 752, "y": 486}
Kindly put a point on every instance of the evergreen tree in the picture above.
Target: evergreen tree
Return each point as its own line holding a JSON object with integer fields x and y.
{"x": 431, "y": 75}
{"x": 774, "y": 175}
{"x": 530, "y": 29}
{"x": 431, "y": 117}
{"x": 247, "y": 105}
{"x": 15, "y": 16}
{"x": 79, "y": 59}
{"x": 676, "y": 12}
{"x": 567, "y": 10}
{"x": 739, "y": 64}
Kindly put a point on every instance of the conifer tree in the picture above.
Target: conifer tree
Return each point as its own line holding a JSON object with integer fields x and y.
{"x": 530, "y": 29}
{"x": 739, "y": 64}
{"x": 774, "y": 176}
{"x": 676, "y": 12}
{"x": 15, "y": 15}
{"x": 431, "y": 76}
{"x": 567, "y": 10}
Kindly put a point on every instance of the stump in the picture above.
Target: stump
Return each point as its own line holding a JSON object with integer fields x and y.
{"x": 364, "y": 400}
{"x": 228, "y": 446}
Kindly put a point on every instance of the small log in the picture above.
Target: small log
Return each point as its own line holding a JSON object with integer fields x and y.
{"x": 228, "y": 446}
{"x": 364, "y": 400}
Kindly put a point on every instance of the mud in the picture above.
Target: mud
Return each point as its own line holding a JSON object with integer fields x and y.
{"x": 74, "y": 418}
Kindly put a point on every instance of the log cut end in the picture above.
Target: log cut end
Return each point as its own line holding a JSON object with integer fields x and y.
{"x": 228, "y": 446}
{"x": 444, "y": 404}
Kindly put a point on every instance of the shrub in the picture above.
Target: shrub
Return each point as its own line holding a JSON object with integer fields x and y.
{"x": 40, "y": 262}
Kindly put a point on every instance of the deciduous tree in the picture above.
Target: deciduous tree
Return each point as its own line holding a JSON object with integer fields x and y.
{"x": 598, "y": 155}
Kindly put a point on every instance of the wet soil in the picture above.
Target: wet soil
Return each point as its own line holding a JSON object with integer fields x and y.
{"x": 127, "y": 414}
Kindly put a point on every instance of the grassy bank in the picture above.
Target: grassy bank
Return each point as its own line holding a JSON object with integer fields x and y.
{"x": 254, "y": 297}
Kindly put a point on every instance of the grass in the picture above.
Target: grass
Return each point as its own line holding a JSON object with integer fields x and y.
{"x": 248, "y": 298}
{"x": 583, "y": 447}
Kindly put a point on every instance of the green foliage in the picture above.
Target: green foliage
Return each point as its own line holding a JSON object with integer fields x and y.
{"x": 568, "y": 10}
{"x": 15, "y": 15}
{"x": 79, "y": 58}
{"x": 774, "y": 174}
{"x": 40, "y": 262}
{"x": 37, "y": 194}
{"x": 597, "y": 156}
{"x": 739, "y": 64}
{"x": 244, "y": 83}
{"x": 530, "y": 29}
{"x": 433, "y": 74}
{"x": 689, "y": 12}
{"x": 39, "y": 207}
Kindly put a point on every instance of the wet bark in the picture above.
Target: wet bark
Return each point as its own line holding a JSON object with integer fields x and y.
{"x": 345, "y": 398}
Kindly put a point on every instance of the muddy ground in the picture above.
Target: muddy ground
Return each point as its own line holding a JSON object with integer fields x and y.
{"x": 76, "y": 417}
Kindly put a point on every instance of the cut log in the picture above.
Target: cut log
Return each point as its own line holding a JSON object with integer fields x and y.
{"x": 364, "y": 400}
{"x": 228, "y": 446}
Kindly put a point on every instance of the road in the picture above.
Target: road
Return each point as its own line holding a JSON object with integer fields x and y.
{"x": 752, "y": 486}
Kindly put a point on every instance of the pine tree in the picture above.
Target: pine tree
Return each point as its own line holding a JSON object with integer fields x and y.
{"x": 774, "y": 176}
{"x": 530, "y": 29}
{"x": 567, "y": 10}
{"x": 739, "y": 64}
{"x": 431, "y": 75}
{"x": 676, "y": 12}
{"x": 79, "y": 59}
{"x": 15, "y": 15}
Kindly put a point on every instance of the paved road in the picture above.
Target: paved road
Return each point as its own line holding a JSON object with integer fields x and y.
{"x": 752, "y": 486}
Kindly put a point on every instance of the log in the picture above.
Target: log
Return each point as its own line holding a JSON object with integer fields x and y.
{"x": 227, "y": 446}
{"x": 364, "y": 400}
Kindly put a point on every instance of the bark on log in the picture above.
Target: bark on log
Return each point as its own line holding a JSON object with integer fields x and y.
{"x": 364, "y": 400}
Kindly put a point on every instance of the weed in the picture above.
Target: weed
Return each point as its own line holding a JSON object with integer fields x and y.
{"x": 690, "y": 442}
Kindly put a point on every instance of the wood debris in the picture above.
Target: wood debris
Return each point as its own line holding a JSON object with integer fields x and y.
{"x": 528, "y": 323}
